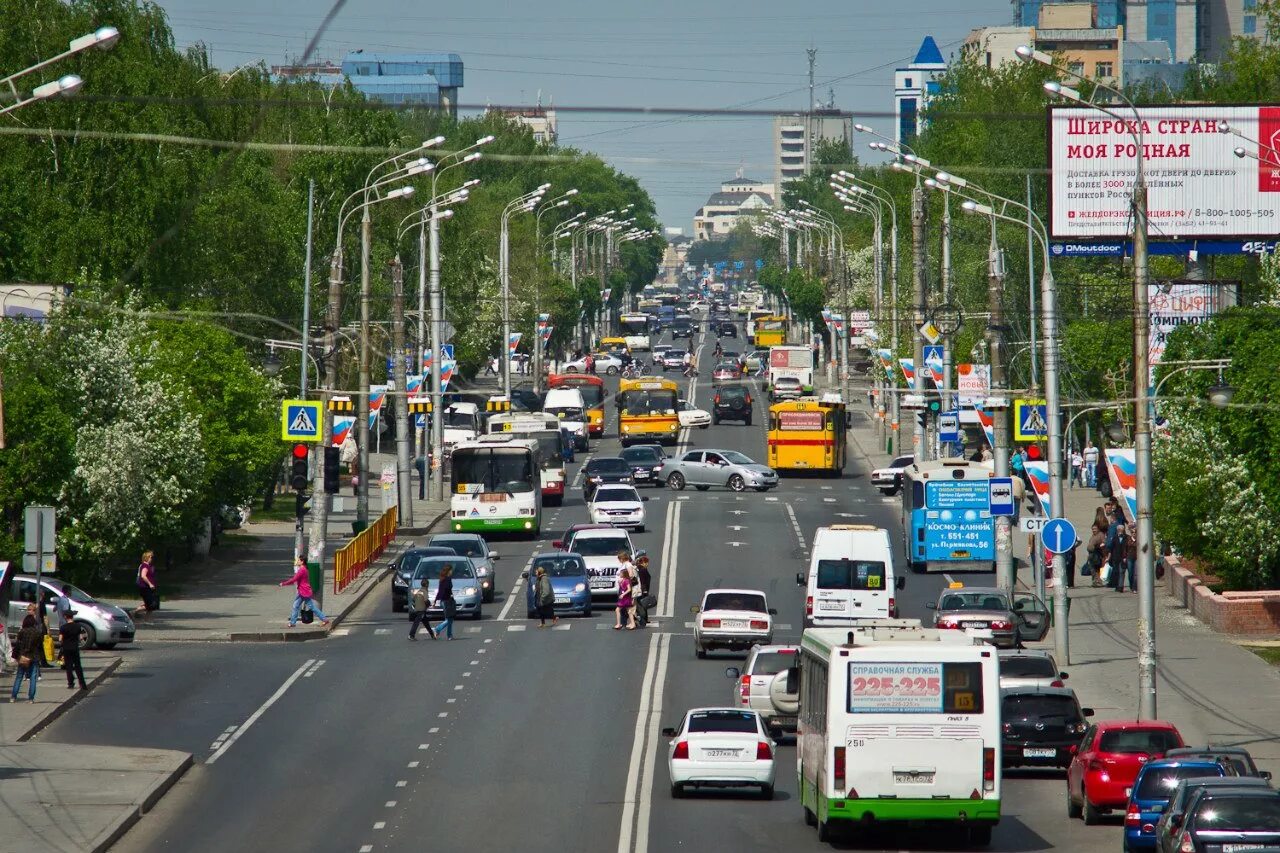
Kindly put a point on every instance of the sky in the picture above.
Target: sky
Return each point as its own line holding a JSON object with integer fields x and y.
{"x": 712, "y": 55}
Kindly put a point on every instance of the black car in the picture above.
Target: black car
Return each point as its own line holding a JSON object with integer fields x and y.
{"x": 727, "y": 330}
{"x": 731, "y": 403}
{"x": 604, "y": 469}
{"x": 646, "y": 461}
{"x": 404, "y": 565}
{"x": 681, "y": 327}
{"x": 1234, "y": 819}
{"x": 1041, "y": 725}
{"x": 525, "y": 399}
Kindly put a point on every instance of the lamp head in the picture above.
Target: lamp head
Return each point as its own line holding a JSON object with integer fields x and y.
{"x": 1053, "y": 87}
{"x": 1223, "y": 127}
{"x": 470, "y": 183}
{"x": 447, "y": 213}
{"x": 1220, "y": 394}
{"x": 1116, "y": 431}
{"x": 271, "y": 364}
{"x": 65, "y": 85}
{"x": 472, "y": 157}
{"x": 1241, "y": 153}
{"x": 969, "y": 205}
{"x": 399, "y": 192}
{"x": 1024, "y": 52}
{"x": 572, "y": 192}
{"x": 862, "y": 128}
{"x": 103, "y": 38}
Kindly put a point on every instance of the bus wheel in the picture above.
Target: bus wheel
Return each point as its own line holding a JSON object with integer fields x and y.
{"x": 825, "y": 835}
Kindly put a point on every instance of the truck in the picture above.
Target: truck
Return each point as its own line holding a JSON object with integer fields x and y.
{"x": 796, "y": 361}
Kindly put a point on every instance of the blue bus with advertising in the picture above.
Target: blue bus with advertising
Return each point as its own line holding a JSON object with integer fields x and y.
{"x": 946, "y": 516}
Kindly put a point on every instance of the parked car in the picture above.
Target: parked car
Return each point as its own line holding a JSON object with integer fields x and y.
{"x": 604, "y": 363}
{"x": 1231, "y": 821}
{"x": 101, "y": 625}
{"x": 1042, "y": 725}
{"x": 731, "y": 403}
{"x": 733, "y": 619}
{"x": 467, "y": 594}
{"x": 604, "y": 469}
{"x": 720, "y": 747}
{"x": 889, "y": 478}
{"x": 988, "y": 612}
{"x": 726, "y": 371}
{"x": 1029, "y": 668}
{"x": 618, "y": 505}
{"x": 703, "y": 469}
{"x": 786, "y": 388}
{"x": 766, "y": 685}
{"x": 402, "y": 568}
{"x": 1186, "y": 790}
{"x": 569, "y": 581}
{"x": 473, "y": 545}
{"x": 646, "y": 461}
{"x": 1155, "y": 784}
{"x": 1108, "y": 760}
{"x": 691, "y": 417}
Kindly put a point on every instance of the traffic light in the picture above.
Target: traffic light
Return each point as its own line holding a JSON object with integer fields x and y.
{"x": 299, "y": 470}
{"x": 302, "y": 505}
{"x": 332, "y": 460}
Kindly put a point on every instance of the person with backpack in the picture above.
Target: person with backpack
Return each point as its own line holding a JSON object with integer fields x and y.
{"x": 421, "y": 603}
{"x": 302, "y": 580}
{"x": 544, "y": 596}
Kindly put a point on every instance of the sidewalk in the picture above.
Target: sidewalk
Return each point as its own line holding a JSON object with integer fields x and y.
{"x": 21, "y": 720}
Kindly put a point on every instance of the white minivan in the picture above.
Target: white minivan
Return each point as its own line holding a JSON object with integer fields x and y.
{"x": 568, "y": 405}
{"x": 850, "y": 577}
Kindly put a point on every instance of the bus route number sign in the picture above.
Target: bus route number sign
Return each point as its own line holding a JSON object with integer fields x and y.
{"x": 895, "y": 688}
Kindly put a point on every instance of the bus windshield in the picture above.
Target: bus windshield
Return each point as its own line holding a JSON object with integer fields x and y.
{"x": 634, "y": 324}
{"x": 493, "y": 470}
{"x": 548, "y": 447}
{"x": 649, "y": 402}
{"x": 592, "y": 393}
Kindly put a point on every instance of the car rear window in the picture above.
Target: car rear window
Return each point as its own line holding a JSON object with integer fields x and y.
{"x": 851, "y": 574}
{"x": 466, "y": 547}
{"x": 609, "y": 464}
{"x": 1034, "y": 707}
{"x": 734, "y": 601}
{"x": 723, "y": 721}
{"x": 1239, "y": 813}
{"x": 1135, "y": 741}
{"x": 772, "y": 663}
{"x": 1027, "y": 667}
{"x": 640, "y": 454}
{"x": 1157, "y": 783}
{"x": 561, "y": 567}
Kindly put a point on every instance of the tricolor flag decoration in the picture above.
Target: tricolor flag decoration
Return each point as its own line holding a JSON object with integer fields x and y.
{"x": 377, "y": 396}
{"x": 1038, "y": 474}
{"x": 908, "y": 369}
{"x": 513, "y": 341}
{"x": 837, "y": 320}
{"x": 413, "y": 384}
{"x": 988, "y": 425}
{"x": 546, "y": 331}
{"x": 826, "y": 317}
{"x": 1124, "y": 477}
{"x": 605, "y": 294}
{"x": 447, "y": 366}
{"x": 426, "y": 360}
{"x": 342, "y": 425}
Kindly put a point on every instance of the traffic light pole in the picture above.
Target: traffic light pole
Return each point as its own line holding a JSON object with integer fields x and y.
{"x": 404, "y": 437}
{"x": 920, "y": 307}
{"x": 320, "y": 508}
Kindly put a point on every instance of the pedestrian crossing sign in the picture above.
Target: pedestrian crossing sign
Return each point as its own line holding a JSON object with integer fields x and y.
{"x": 301, "y": 420}
{"x": 1030, "y": 420}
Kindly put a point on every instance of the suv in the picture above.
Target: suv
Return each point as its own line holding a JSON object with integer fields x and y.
{"x": 762, "y": 685}
{"x": 1041, "y": 725}
{"x": 726, "y": 329}
{"x": 604, "y": 469}
{"x": 731, "y": 403}
{"x": 681, "y": 327}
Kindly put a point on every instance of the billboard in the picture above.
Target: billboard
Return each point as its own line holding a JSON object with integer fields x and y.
{"x": 1183, "y": 303}
{"x": 1197, "y": 186}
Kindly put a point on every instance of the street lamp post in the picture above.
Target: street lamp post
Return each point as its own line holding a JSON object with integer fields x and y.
{"x": 559, "y": 201}
{"x": 521, "y": 204}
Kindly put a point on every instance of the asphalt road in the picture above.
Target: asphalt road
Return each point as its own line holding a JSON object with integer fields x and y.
{"x": 512, "y": 737}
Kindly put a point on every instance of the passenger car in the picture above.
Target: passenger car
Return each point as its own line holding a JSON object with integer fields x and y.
{"x": 602, "y": 470}
{"x": 720, "y": 747}
{"x": 726, "y": 329}
{"x": 646, "y": 461}
{"x": 765, "y": 685}
{"x": 1186, "y": 790}
{"x": 1231, "y": 820}
{"x": 1234, "y": 757}
{"x": 755, "y": 360}
{"x": 672, "y": 359}
{"x": 733, "y": 619}
{"x": 691, "y": 417}
{"x": 1029, "y": 668}
{"x": 889, "y": 478}
{"x": 402, "y": 568}
{"x": 604, "y": 363}
{"x": 618, "y": 505}
{"x": 786, "y": 388}
{"x": 731, "y": 403}
{"x": 703, "y": 469}
{"x": 599, "y": 546}
{"x": 1108, "y": 760}
{"x": 101, "y": 625}
{"x": 569, "y": 581}
{"x": 472, "y": 545}
{"x": 1156, "y": 782}
{"x": 1042, "y": 725}
{"x": 987, "y": 610}
{"x": 727, "y": 371}
{"x": 681, "y": 327}
{"x": 467, "y": 594}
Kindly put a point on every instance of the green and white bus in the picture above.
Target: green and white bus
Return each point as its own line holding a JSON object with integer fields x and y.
{"x": 899, "y": 724}
{"x": 495, "y": 486}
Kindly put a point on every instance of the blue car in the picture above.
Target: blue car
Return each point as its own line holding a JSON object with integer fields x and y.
{"x": 569, "y": 581}
{"x": 1151, "y": 792}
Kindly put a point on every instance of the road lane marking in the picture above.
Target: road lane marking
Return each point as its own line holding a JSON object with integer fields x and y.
{"x": 651, "y": 753}
{"x": 413, "y": 764}
{"x": 314, "y": 669}
{"x": 670, "y": 562}
{"x": 633, "y": 834}
{"x": 433, "y": 730}
{"x": 516, "y": 627}
{"x": 402, "y": 783}
{"x": 391, "y": 804}
{"x": 381, "y": 824}
{"x": 262, "y": 709}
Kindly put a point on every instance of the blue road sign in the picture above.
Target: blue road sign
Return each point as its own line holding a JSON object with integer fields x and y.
{"x": 446, "y": 352}
{"x": 1000, "y": 492}
{"x": 420, "y": 420}
{"x": 949, "y": 427}
{"x": 1058, "y": 535}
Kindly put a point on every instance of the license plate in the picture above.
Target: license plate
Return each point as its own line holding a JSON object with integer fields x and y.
{"x": 913, "y": 778}
{"x": 1238, "y": 848}
{"x": 641, "y": 475}
{"x": 1029, "y": 752}
{"x": 830, "y": 605}
{"x": 601, "y": 583}
{"x": 974, "y": 624}
{"x": 492, "y": 498}
{"x": 562, "y": 599}
{"x": 733, "y": 623}
{"x": 722, "y": 753}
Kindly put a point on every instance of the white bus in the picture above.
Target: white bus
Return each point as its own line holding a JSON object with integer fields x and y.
{"x": 635, "y": 331}
{"x": 495, "y": 486}
{"x": 545, "y": 430}
{"x": 899, "y": 723}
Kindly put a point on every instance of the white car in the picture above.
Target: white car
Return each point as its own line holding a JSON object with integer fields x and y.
{"x": 605, "y": 363}
{"x": 599, "y": 548}
{"x": 721, "y": 748}
{"x": 619, "y": 505}
{"x": 734, "y": 619}
{"x": 889, "y": 478}
{"x": 691, "y": 417}
{"x": 767, "y": 684}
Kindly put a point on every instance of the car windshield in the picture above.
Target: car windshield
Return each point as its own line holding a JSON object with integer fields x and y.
{"x": 902, "y": 462}
{"x": 723, "y": 721}
{"x": 1157, "y": 783}
{"x": 561, "y": 567}
{"x": 459, "y": 420}
{"x": 1033, "y": 707}
{"x": 660, "y": 402}
{"x": 608, "y": 465}
{"x": 641, "y": 454}
{"x": 615, "y": 493}
{"x": 600, "y": 546}
{"x": 462, "y": 545}
{"x": 1022, "y": 666}
{"x": 493, "y": 470}
{"x": 736, "y": 458}
{"x": 428, "y": 568}
{"x": 989, "y": 600}
{"x": 772, "y": 663}
{"x": 565, "y": 413}
{"x": 734, "y": 601}
{"x": 674, "y": 353}
{"x": 1247, "y": 814}
{"x": 728, "y": 365}
{"x": 1138, "y": 741}
{"x": 850, "y": 574}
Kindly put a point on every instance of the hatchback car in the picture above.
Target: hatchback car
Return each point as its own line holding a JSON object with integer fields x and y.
{"x": 1107, "y": 761}
{"x": 402, "y": 568}
{"x": 1029, "y": 668}
{"x": 467, "y": 594}
{"x": 727, "y": 371}
{"x": 569, "y": 582}
{"x": 101, "y": 625}
{"x": 473, "y": 545}
{"x": 703, "y": 469}
{"x": 599, "y": 547}
{"x": 604, "y": 470}
{"x": 720, "y": 747}
{"x": 731, "y": 403}
{"x": 1042, "y": 725}
{"x": 1231, "y": 821}
{"x": 889, "y": 478}
{"x": 1156, "y": 782}
{"x": 672, "y": 359}
{"x": 733, "y": 619}
{"x": 646, "y": 461}
{"x": 619, "y": 506}
{"x": 765, "y": 684}
{"x": 1184, "y": 793}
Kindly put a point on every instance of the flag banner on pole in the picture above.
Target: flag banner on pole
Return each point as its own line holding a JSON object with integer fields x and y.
{"x": 546, "y": 333}
{"x": 544, "y": 318}
{"x": 513, "y": 342}
{"x": 988, "y": 424}
{"x": 342, "y": 425}
{"x": 413, "y": 384}
{"x": 447, "y": 366}
{"x": 426, "y": 360}
{"x": 837, "y": 320}
{"x": 886, "y": 359}
{"x": 377, "y": 395}
{"x": 826, "y": 317}
{"x": 605, "y": 294}
{"x": 1124, "y": 477}
{"x": 1038, "y": 474}
{"x": 908, "y": 369}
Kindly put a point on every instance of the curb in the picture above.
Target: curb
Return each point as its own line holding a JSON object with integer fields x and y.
{"x": 109, "y": 836}
{"x": 71, "y": 701}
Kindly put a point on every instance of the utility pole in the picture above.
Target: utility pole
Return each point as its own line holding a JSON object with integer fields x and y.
{"x": 320, "y": 503}
{"x": 808, "y": 113}
{"x": 1000, "y": 422}
{"x": 920, "y": 307}
{"x": 362, "y": 391}
{"x": 404, "y": 468}
{"x": 317, "y": 458}
{"x": 1145, "y": 569}
{"x": 947, "y": 355}
{"x": 895, "y": 434}
{"x": 421, "y": 448}
{"x": 437, "y": 393}
{"x": 504, "y": 354}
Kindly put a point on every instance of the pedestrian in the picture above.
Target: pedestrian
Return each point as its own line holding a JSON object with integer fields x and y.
{"x": 1017, "y": 466}
{"x": 1090, "y": 465}
{"x": 1131, "y": 556}
{"x": 545, "y": 597}
{"x": 643, "y": 583}
{"x": 444, "y": 598}
{"x": 70, "y": 636}
{"x": 146, "y": 581}
{"x": 1069, "y": 565}
{"x": 421, "y": 604}
{"x": 1077, "y": 468}
{"x": 301, "y": 578}
{"x": 491, "y": 367}
{"x": 348, "y": 452}
{"x": 421, "y": 464}
{"x": 626, "y": 602}
{"x": 1094, "y": 554}
{"x": 27, "y": 651}
{"x": 589, "y": 363}
{"x": 1119, "y": 558}
{"x": 62, "y": 606}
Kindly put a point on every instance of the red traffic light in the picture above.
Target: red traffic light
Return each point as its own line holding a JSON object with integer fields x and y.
{"x": 301, "y": 451}
{"x": 1033, "y": 453}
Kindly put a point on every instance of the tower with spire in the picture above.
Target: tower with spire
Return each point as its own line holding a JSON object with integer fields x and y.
{"x": 912, "y": 88}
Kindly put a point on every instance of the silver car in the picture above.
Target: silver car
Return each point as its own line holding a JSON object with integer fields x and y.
{"x": 466, "y": 585}
{"x": 1029, "y": 668}
{"x": 703, "y": 469}
{"x": 472, "y": 545}
{"x": 101, "y": 625}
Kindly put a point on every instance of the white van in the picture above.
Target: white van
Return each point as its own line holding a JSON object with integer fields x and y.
{"x": 851, "y": 576}
{"x": 568, "y": 405}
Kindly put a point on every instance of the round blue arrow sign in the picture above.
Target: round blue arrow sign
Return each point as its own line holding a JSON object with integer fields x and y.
{"x": 1058, "y": 535}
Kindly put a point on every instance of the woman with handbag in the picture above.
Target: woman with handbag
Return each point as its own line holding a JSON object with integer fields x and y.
{"x": 27, "y": 652}
{"x": 301, "y": 578}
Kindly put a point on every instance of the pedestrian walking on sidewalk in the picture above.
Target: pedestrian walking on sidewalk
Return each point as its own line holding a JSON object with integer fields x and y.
{"x": 1077, "y": 468}
{"x": 1131, "y": 557}
{"x": 444, "y": 597}
{"x": 27, "y": 651}
{"x": 644, "y": 590}
{"x": 1095, "y": 551}
{"x": 70, "y": 633}
{"x": 147, "y": 586}
{"x": 62, "y": 607}
{"x": 626, "y": 601}
{"x": 421, "y": 603}
{"x": 1119, "y": 558}
{"x": 301, "y": 578}
{"x": 1090, "y": 465}
{"x": 545, "y": 597}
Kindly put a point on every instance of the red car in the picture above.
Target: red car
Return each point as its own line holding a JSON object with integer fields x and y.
{"x": 1107, "y": 761}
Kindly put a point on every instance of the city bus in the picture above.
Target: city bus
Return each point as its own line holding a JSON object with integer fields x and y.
{"x": 771, "y": 331}
{"x": 899, "y": 723}
{"x": 754, "y": 315}
{"x": 807, "y": 435}
{"x": 495, "y": 486}
{"x": 635, "y": 331}
{"x": 592, "y": 388}
{"x": 545, "y": 430}
{"x": 647, "y": 411}
{"x": 946, "y": 516}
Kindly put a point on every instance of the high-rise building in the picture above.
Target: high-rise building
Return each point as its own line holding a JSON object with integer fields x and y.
{"x": 913, "y": 86}
{"x": 430, "y": 80}
{"x": 795, "y": 138}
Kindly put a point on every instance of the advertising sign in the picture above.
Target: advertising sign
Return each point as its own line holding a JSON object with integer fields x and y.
{"x": 1197, "y": 186}
{"x": 973, "y": 383}
{"x": 1175, "y": 304}
{"x": 859, "y": 323}
{"x": 895, "y": 688}
{"x": 958, "y": 520}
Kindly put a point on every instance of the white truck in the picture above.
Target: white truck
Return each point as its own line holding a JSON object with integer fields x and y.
{"x": 793, "y": 361}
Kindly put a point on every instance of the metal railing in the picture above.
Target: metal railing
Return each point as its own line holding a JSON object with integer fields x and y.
{"x": 352, "y": 559}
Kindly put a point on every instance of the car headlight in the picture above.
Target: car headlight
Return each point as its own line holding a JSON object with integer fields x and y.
{"x": 582, "y": 587}
{"x": 399, "y": 581}
{"x": 470, "y": 590}
{"x": 597, "y": 479}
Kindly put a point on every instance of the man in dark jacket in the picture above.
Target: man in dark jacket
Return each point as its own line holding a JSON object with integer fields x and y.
{"x": 70, "y": 639}
{"x": 642, "y": 573}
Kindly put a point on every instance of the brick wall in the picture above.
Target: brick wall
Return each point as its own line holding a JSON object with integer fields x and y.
{"x": 1241, "y": 613}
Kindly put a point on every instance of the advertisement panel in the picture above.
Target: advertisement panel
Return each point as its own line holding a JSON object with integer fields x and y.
{"x": 1197, "y": 186}
{"x": 895, "y": 688}
{"x": 973, "y": 382}
{"x": 1176, "y": 304}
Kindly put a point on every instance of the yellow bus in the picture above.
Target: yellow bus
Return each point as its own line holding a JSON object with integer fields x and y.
{"x": 771, "y": 331}
{"x": 647, "y": 411}
{"x": 807, "y": 435}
